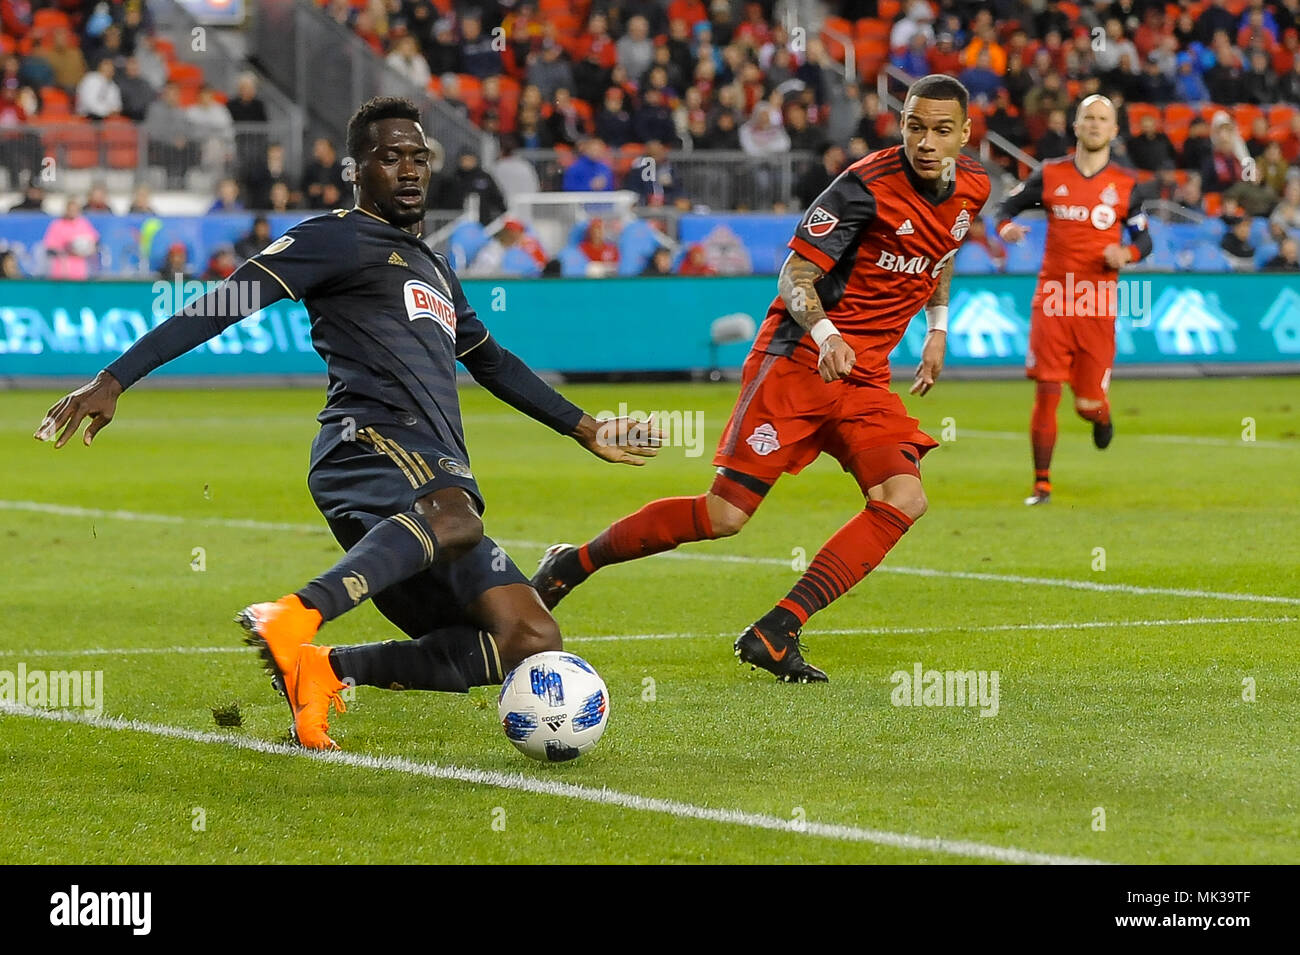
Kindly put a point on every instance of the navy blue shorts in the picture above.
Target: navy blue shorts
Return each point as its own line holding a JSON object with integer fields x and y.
{"x": 357, "y": 484}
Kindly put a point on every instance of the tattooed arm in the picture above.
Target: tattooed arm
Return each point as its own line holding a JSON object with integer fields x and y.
{"x": 936, "y": 339}
{"x": 796, "y": 283}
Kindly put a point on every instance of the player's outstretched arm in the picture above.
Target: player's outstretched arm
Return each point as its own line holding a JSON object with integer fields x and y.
{"x": 796, "y": 284}
{"x": 1025, "y": 196}
{"x": 936, "y": 336}
{"x": 193, "y": 325}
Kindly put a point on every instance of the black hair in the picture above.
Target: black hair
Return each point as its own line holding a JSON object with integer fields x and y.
{"x": 939, "y": 86}
{"x": 372, "y": 111}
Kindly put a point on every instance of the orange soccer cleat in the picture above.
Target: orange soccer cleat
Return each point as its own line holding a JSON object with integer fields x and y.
{"x": 278, "y": 630}
{"x": 316, "y": 686}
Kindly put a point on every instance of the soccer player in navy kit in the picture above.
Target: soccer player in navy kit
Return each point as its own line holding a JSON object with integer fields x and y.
{"x": 389, "y": 467}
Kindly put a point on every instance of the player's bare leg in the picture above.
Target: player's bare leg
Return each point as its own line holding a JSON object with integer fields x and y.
{"x": 893, "y": 505}
{"x": 1042, "y": 438}
{"x": 659, "y": 526}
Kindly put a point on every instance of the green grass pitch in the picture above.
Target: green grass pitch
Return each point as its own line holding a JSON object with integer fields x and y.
{"x": 1129, "y": 622}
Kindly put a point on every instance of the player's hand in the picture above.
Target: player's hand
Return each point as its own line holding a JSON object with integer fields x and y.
{"x": 96, "y": 400}
{"x": 927, "y": 373}
{"x": 1116, "y": 256}
{"x": 837, "y": 359}
{"x": 620, "y": 440}
{"x": 1013, "y": 233}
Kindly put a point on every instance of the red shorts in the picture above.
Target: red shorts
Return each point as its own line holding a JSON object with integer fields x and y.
{"x": 786, "y": 416}
{"x": 1074, "y": 349}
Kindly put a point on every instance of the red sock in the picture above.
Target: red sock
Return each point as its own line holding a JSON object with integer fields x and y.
{"x": 1042, "y": 427}
{"x": 659, "y": 526}
{"x": 1096, "y": 415}
{"x": 846, "y": 558}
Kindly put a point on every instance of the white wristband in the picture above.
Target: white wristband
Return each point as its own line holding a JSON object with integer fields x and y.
{"x": 822, "y": 331}
{"x": 936, "y": 318}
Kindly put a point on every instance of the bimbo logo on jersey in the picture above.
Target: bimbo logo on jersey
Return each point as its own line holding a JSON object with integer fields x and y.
{"x": 1101, "y": 216}
{"x": 422, "y": 301}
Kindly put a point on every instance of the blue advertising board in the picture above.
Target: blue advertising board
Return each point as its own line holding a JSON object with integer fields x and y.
{"x": 648, "y": 324}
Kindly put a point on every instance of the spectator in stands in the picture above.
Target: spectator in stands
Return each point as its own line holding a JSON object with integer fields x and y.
{"x": 1004, "y": 121}
{"x": 443, "y": 52}
{"x": 281, "y": 200}
{"x": 724, "y": 132}
{"x": 1150, "y": 149}
{"x": 804, "y": 137}
{"x": 258, "y": 238}
{"x": 721, "y": 27}
{"x": 221, "y": 264}
{"x": 919, "y": 21}
{"x": 97, "y": 94}
{"x": 1237, "y": 247}
{"x": 10, "y": 267}
{"x": 913, "y": 59}
{"x": 1259, "y": 84}
{"x": 70, "y": 242}
{"x": 135, "y": 91}
{"x": 602, "y": 256}
{"x": 890, "y": 133}
{"x": 1215, "y": 18}
{"x": 1108, "y": 55}
{"x": 227, "y": 197}
{"x": 1288, "y": 89}
{"x": 565, "y": 124}
{"x": 1271, "y": 169}
{"x": 614, "y": 120}
{"x": 450, "y": 85}
{"x": 1287, "y": 258}
{"x": 152, "y": 65}
{"x": 168, "y": 130}
{"x": 479, "y": 57}
{"x": 814, "y": 182}
{"x": 1055, "y": 141}
{"x": 1189, "y": 86}
{"x": 1155, "y": 86}
{"x": 142, "y": 201}
{"x": 1189, "y": 194}
{"x": 506, "y": 254}
{"x": 1017, "y": 80}
{"x": 1197, "y": 147}
{"x": 764, "y": 134}
{"x": 590, "y": 172}
{"x": 1286, "y": 214}
{"x": 654, "y": 120}
{"x": 984, "y": 39}
{"x": 530, "y": 129}
{"x": 980, "y": 79}
{"x": 696, "y": 262}
{"x": 212, "y": 126}
{"x": 514, "y": 175}
{"x": 65, "y": 60}
{"x": 97, "y": 199}
{"x": 407, "y": 60}
{"x": 678, "y": 44}
{"x": 176, "y": 264}
{"x": 324, "y": 168}
{"x": 635, "y": 50}
{"x": 1050, "y": 94}
{"x": 944, "y": 57}
{"x": 263, "y": 174}
{"x": 1223, "y": 79}
{"x": 1259, "y": 138}
{"x": 1224, "y": 167}
{"x": 660, "y": 263}
{"x": 654, "y": 179}
{"x": 857, "y": 149}
{"x": 33, "y": 199}
{"x": 246, "y": 107}
{"x": 469, "y": 178}
{"x": 549, "y": 70}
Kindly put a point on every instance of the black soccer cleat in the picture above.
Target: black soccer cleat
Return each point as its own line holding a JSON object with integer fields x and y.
{"x": 777, "y": 653}
{"x": 558, "y": 572}
{"x": 1102, "y": 434}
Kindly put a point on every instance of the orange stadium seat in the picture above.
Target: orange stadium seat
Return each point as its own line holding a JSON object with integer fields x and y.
{"x": 1280, "y": 115}
{"x": 1213, "y": 204}
{"x": 166, "y": 49}
{"x": 7, "y": 44}
{"x": 47, "y": 21}
{"x": 471, "y": 90}
{"x": 73, "y": 143}
{"x": 1178, "y": 114}
{"x": 185, "y": 74}
{"x": 55, "y": 102}
{"x": 1071, "y": 10}
{"x": 435, "y": 85}
{"x": 1177, "y": 135}
{"x": 889, "y": 9}
{"x": 869, "y": 64}
{"x": 121, "y": 143}
{"x": 869, "y": 29}
{"x": 1245, "y": 114}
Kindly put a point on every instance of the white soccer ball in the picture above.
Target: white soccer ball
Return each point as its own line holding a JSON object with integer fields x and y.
{"x": 553, "y": 706}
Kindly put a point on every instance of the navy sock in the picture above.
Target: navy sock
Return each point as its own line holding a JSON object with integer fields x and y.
{"x": 391, "y": 551}
{"x": 451, "y": 660}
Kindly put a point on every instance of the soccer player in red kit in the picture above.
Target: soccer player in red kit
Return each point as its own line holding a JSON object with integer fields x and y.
{"x": 1089, "y": 200}
{"x": 873, "y": 250}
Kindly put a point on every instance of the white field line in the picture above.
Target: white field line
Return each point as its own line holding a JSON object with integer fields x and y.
{"x": 1162, "y": 438}
{"x": 1089, "y": 585}
{"x": 547, "y": 787}
{"x": 624, "y": 637}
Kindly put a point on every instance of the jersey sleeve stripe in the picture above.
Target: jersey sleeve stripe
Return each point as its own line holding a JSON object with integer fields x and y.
{"x": 486, "y": 336}
{"x": 276, "y": 277}
{"x": 812, "y": 254}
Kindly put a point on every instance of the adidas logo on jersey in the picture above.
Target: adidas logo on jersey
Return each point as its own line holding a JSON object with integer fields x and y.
{"x": 396, "y": 259}
{"x": 1062, "y": 190}
{"x": 905, "y": 229}
{"x": 820, "y": 223}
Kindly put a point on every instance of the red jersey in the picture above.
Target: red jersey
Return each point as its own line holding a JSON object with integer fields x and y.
{"x": 883, "y": 238}
{"x": 1084, "y": 215}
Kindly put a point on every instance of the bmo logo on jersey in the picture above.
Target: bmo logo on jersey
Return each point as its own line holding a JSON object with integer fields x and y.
{"x": 422, "y": 301}
{"x": 913, "y": 264}
{"x": 1101, "y": 216}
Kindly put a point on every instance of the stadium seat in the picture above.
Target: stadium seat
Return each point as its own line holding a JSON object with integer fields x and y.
{"x": 1138, "y": 110}
{"x": 1209, "y": 258}
{"x": 7, "y": 44}
{"x": 871, "y": 29}
{"x": 48, "y": 21}
{"x": 471, "y": 90}
{"x": 166, "y": 49}
{"x": 55, "y": 102}
{"x": 1213, "y": 203}
{"x": 889, "y": 9}
{"x": 1263, "y": 252}
{"x": 573, "y": 263}
{"x": 464, "y": 243}
{"x": 1176, "y": 114}
{"x": 636, "y": 243}
{"x": 121, "y": 143}
{"x": 972, "y": 259}
{"x": 1279, "y": 115}
{"x": 73, "y": 143}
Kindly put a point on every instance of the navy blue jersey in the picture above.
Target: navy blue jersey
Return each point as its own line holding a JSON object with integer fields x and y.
{"x": 389, "y": 317}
